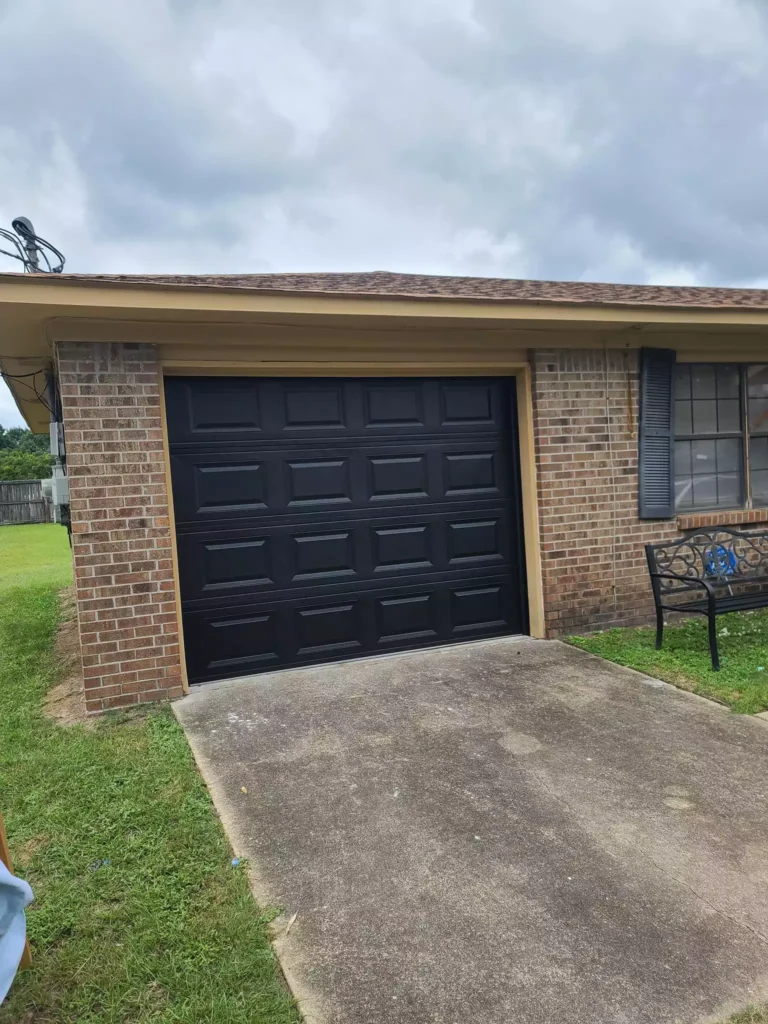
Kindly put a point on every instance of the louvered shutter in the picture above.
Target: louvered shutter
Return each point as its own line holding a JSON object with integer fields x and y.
{"x": 657, "y": 434}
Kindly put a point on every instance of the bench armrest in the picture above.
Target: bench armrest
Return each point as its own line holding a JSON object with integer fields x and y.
{"x": 694, "y": 580}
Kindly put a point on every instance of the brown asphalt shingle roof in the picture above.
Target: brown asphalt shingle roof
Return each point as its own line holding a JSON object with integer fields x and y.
{"x": 429, "y": 286}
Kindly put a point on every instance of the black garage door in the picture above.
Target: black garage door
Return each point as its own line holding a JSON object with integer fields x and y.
{"x": 326, "y": 519}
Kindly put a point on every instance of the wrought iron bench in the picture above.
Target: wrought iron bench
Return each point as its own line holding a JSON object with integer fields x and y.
{"x": 709, "y": 573}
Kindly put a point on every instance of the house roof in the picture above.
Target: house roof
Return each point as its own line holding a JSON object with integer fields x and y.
{"x": 381, "y": 283}
{"x": 37, "y": 310}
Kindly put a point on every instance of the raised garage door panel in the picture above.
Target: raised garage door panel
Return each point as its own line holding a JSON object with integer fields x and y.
{"x": 216, "y": 409}
{"x": 301, "y": 630}
{"x": 291, "y": 554}
{"x": 322, "y": 519}
{"x": 211, "y": 485}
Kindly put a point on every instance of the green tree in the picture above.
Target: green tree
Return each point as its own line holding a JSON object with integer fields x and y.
{"x": 40, "y": 443}
{"x": 23, "y": 440}
{"x": 21, "y": 465}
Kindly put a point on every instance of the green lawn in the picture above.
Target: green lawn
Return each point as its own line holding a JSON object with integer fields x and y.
{"x": 741, "y": 683}
{"x": 752, "y": 1015}
{"x": 139, "y": 914}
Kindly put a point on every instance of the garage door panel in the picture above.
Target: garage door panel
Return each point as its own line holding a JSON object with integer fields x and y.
{"x": 469, "y": 405}
{"x": 221, "y": 409}
{"x": 321, "y": 555}
{"x": 411, "y": 546}
{"x": 329, "y": 630}
{"x": 221, "y": 486}
{"x": 407, "y": 619}
{"x": 213, "y": 408}
{"x": 239, "y": 486}
{"x": 473, "y": 473}
{"x": 245, "y": 639}
{"x": 236, "y": 565}
{"x": 399, "y": 406}
{"x": 316, "y": 407}
{"x": 217, "y": 565}
{"x": 317, "y": 482}
{"x": 472, "y": 540}
{"x": 399, "y": 478}
{"x": 475, "y": 609}
{"x": 302, "y": 631}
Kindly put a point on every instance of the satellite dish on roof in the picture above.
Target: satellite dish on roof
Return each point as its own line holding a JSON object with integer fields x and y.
{"x": 33, "y": 252}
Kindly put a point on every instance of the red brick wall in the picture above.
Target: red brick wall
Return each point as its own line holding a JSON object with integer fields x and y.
{"x": 585, "y": 426}
{"x": 121, "y": 531}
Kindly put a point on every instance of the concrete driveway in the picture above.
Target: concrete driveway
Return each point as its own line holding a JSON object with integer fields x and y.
{"x": 507, "y": 833}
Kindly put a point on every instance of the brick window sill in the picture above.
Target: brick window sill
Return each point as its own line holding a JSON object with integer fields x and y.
{"x": 733, "y": 517}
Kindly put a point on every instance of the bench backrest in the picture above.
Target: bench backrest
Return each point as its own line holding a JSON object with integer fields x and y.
{"x": 718, "y": 555}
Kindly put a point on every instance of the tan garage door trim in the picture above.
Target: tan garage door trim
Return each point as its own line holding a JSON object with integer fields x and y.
{"x": 520, "y": 371}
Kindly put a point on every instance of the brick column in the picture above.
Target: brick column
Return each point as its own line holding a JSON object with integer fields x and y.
{"x": 586, "y": 407}
{"x": 121, "y": 532}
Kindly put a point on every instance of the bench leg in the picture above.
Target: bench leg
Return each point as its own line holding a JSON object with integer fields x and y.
{"x": 659, "y": 628}
{"x": 713, "y": 643}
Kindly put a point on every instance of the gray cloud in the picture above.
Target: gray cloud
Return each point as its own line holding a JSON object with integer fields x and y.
{"x": 576, "y": 138}
{"x": 569, "y": 139}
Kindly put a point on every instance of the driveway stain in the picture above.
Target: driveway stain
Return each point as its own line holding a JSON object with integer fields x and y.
{"x": 519, "y": 743}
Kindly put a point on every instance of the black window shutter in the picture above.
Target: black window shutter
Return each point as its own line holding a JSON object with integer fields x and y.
{"x": 657, "y": 434}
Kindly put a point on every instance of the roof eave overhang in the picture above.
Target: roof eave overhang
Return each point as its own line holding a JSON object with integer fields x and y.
{"x": 101, "y": 297}
{"x": 37, "y": 311}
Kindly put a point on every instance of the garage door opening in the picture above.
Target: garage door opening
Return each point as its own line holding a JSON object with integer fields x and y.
{"x": 321, "y": 519}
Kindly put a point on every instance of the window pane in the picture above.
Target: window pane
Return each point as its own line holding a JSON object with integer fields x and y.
{"x": 758, "y": 414}
{"x": 705, "y": 491}
{"x": 703, "y": 381}
{"x": 728, "y": 489}
{"x": 683, "y": 492}
{"x": 709, "y": 474}
{"x": 758, "y": 454}
{"x": 683, "y": 481}
{"x": 760, "y": 486}
{"x": 715, "y": 407}
{"x": 703, "y": 457}
{"x": 682, "y": 381}
{"x": 729, "y": 472}
{"x": 757, "y": 381}
{"x": 727, "y": 381}
{"x": 705, "y": 417}
{"x": 728, "y": 417}
{"x": 728, "y": 455}
{"x": 683, "y": 458}
{"x": 683, "y": 418}
{"x": 757, "y": 390}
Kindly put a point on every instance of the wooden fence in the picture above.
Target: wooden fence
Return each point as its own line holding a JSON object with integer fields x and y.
{"x": 22, "y": 501}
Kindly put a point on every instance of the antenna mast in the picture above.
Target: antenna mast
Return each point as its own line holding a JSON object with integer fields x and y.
{"x": 35, "y": 254}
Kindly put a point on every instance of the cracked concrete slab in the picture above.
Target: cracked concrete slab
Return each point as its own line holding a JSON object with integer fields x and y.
{"x": 506, "y": 831}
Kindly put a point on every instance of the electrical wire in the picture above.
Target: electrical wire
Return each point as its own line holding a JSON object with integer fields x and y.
{"x": 42, "y": 245}
{"x": 9, "y": 236}
{"x": 41, "y": 248}
{"x": 18, "y": 378}
{"x": 43, "y": 401}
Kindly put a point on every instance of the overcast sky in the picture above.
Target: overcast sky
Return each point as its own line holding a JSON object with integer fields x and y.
{"x": 619, "y": 140}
